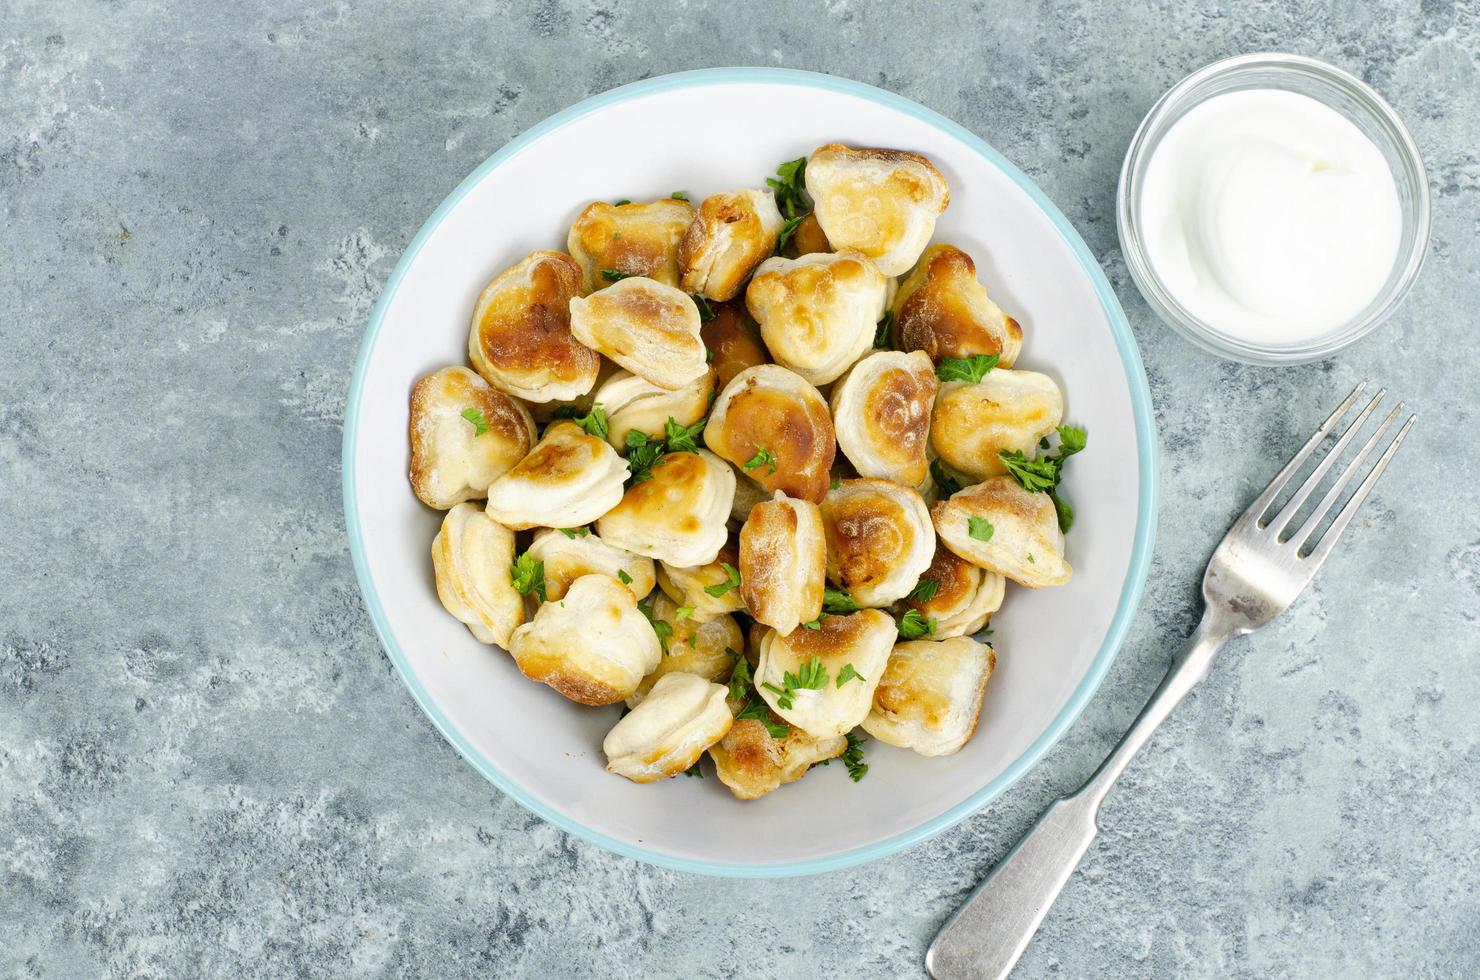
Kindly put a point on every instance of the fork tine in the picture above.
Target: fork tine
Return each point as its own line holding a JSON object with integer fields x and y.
{"x": 1292, "y": 507}
{"x": 1322, "y": 550}
{"x": 1323, "y": 509}
{"x": 1260, "y": 505}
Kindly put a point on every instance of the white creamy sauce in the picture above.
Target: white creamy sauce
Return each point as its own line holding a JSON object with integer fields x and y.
{"x": 1269, "y": 216}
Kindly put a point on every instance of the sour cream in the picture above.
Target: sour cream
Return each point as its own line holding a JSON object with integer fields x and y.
{"x": 1270, "y": 216}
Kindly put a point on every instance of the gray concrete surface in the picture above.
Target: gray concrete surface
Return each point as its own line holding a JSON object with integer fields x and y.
{"x": 209, "y": 768}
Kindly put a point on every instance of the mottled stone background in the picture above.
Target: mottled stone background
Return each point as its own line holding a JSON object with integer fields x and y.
{"x": 209, "y": 768}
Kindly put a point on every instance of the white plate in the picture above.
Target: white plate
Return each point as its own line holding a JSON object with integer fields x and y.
{"x": 703, "y": 132}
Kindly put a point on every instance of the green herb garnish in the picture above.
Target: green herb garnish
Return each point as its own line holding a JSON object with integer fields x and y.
{"x": 593, "y": 422}
{"x": 575, "y": 532}
{"x": 810, "y": 676}
{"x": 979, "y": 528}
{"x": 694, "y": 770}
{"x": 912, "y": 625}
{"x": 925, "y": 590}
{"x": 837, "y": 602}
{"x": 625, "y": 200}
{"x": 1044, "y": 473}
{"x": 480, "y": 424}
{"x": 662, "y": 627}
{"x": 623, "y": 577}
{"x": 971, "y": 369}
{"x": 614, "y": 275}
{"x": 837, "y": 481}
{"x": 739, "y": 676}
{"x": 706, "y": 312}
{"x": 788, "y": 231}
{"x": 732, "y": 574}
{"x": 762, "y": 457}
{"x": 528, "y": 575}
{"x": 886, "y": 327}
{"x": 815, "y": 624}
{"x": 643, "y": 453}
{"x": 791, "y": 189}
{"x": 760, "y": 711}
{"x": 848, "y": 674}
{"x": 945, "y": 484}
{"x": 853, "y": 757}
{"x": 681, "y": 439}
{"x": 680, "y": 195}
{"x": 683, "y": 612}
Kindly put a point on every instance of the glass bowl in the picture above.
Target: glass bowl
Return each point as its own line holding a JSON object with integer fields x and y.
{"x": 1333, "y": 87}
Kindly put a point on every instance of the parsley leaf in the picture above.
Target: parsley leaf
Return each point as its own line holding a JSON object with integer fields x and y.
{"x": 1043, "y": 474}
{"x": 853, "y": 757}
{"x": 815, "y": 624}
{"x": 660, "y": 626}
{"x": 885, "y": 328}
{"x": 680, "y": 195}
{"x": 791, "y": 189}
{"x": 1072, "y": 439}
{"x": 643, "y": 453}
{"x": 1032, "y": 560}
{"x": 810, "y": 676}
{"x": 706, "y": 312}
{"x": 625, "y": 200}
{"x": 528, "y": 575}
{"x": 683, "y": 612}
{"x": 739, "y": 676}
{"x": 694, "y": 770}
{"x": 925, "y": 590}
{"x": 623, "y": 577}
{"x": 912, "y": 625}
{"x": 837, "y": 481}
{"x": 788, "y": 230}
{"x": 849, "y": 674}
{"x": 613, "y": 275}
{"x": 971, "y": 369}
{"x": 979, "y": 528}
{"x": 720, "y": 588}
{"x": 837, "y": 601}
{"x": 575, "y": 532}
{"x": 593, "y": 422}
{"x": 762, "y": 457}
{"x": 683, "y": 440}
{"x": 1066, "y": 513}
{"x": 480, "y": 424}
{"x": 760, "y": 711}
{"x": 945, "y": 484}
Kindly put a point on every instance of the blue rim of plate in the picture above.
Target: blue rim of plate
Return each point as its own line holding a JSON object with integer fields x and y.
{"x": 1131, "y": 590}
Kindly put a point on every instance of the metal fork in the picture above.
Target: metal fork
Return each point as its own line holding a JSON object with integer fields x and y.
{"x": 1255, "y": 573}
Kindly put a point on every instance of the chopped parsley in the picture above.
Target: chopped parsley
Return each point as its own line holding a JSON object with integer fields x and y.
{"x": 684, "y": 612}
{"x": 662, "y": 627}
{"x": 643, "y": 453}
{"x": 694, "y": 770}
{"x": 810, "y": 676}
{"x": 706, "y": 312}
{"x": 681, "y": 439}
{"x": 680, "y": 195}
{"x": 480, "y": 424}
{"x": 739, "y": 676}
{"x": 853, "y": 757}
{"x": 593, "y": 422}
{"x": 885, "y": 329}
{"x": 979, "y": 528}
{"x": 575, "y": 532}
{"x": 971, "y": 369}
{"x": 623, "y": 577}
{"x": 837, "y": 481}
{"x": 732, "y": 581}
{"x": 945, "y": 484}
{"x": 625, "y": 200}
{"x": 762, "y": 457}
{"x": 614, "y": 275}
{"x": 788, "y": 231}
{"x": 1044, "y": 473}
{"x": 1031, "y": 561}
{"x": 912, "y": 625}
{"x": 925, "y": 590}
{"x": 758, "y": 710}
{"x": 836, "y": 601}
{"x": 528, "y": 575}
{"x": 791, "y": 189}
{"x": 815, "y": 624}
{"x": 849, "y": 674}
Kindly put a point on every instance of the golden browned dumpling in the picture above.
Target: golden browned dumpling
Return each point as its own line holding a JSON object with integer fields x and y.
{"x": 776, "y": 428}
{"x": 569, "y": 554}
{"x": 710, "y": 590}
{"x": 783, "y": 562}
{"x": 568, "y": 479}
{"x": 648, "y": 328}
{"x": 1006, "y": 410}
{"x": 667, "y": 733}
{"x": 732, "y": 234}
{"x": 629, "y": 240}
{"x": 752, "y": 763}
{"x": 818, "y": 313}
{"x": 471, "y": 555}
{"x": 631, "y": 403}
{"x": 861, "y": 640}
{"x": 678, "y": 516}
{"x": 962, "y": 596}
{"x": 454, "y": 457}
{"x": 881, "y": 412}
{"x": 943, "y": 310}
{"x": 879, "y": 539}
{"x": 708, "y": 649}
{"x": 594, "y": 646}
{"x": 734, "y": 340}
{"x": 881, "y": 202}
{"x": 521, "y": 340}
{"x": 931, "y": 695}
{"x": 999, "y": 526}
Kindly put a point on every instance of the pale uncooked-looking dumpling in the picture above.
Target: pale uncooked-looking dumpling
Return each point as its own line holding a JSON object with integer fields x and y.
{"x": 862, "y": 640}
{"x": 881, "y": 412}
{"x": 881, "y": 202}
{"x": 770, "y": 408}
{"x": 734, "y": 340}
{"x": 818, "y": 313}
{"x": 1017, "y": 531}
{"x": 471, "y": 555}
{"x": 594, "y": 646}
{"x": 708, "y": 649}
{"x": 783, "y": 562}
{"x": 647, "y": 327}
{"x": 962, "y": 597}
{"x": 678, "y": 515}
{"x": 568, "y": 479}
{"x": 667, "y": 733}
{"x": 615, "y": 240}
{"x": 732, "y": 234}
{"x": 631, "y": 403}
{"x": 709, "y": 589}
{"x": 943, "y": 310}
{"x": 450, "y": 460}
{"x": 752, "y": 763}
{"x": 521, "y": 340}
{"x": 569, "y": 556}
{"x": 931, "y": 694}
{"x": 1006, "y": 410}
{"x": 879, "y": 539}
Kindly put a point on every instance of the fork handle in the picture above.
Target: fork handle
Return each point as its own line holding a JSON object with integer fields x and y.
{"x": 992, "y": 929}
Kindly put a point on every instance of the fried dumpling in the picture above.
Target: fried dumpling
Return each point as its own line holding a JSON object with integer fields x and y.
{"x": 454, "y": 457}
{"x": 999, "y": 526}
{"x": 931, "y": 694}
{"x": 649, "y": 328}
{"x": 521, "y": 340}
{"x": 569, "y": 554}
{"x": 881, "y": 411}
{"x": 732, "y": 234}
{"x": 614, "y": 240}
{"x": 772, "y": 409}
{"x": 818, "y": 313}
{"x": 1006, "y": 410}
{"x": 943, "y": 310}
{"x": 594, "y": 646}
{"x": 862, "y": 640}
{"x": 734, "y": 340}
{"x": 881, "y": 202}
{"x": 709, "y": 589}
{"x": 783, "y": 562}
{"x": 752, "y": 763}
{"x": 667, "y": 733}
{"x": 631, "y": 403}
{"x": 708, "y": 649}
{"x": 471, "y": 555}
{"x": 962, "y": 596}
{"x": 678, "y": 515}
{"x": 879, "y": 539}
{"x": 568, "y": 479}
